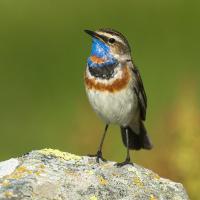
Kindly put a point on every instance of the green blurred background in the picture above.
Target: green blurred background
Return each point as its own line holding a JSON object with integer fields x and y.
{"x": 43, "y": 52}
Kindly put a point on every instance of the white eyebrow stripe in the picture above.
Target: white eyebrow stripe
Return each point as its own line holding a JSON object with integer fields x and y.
{"x": 117, "y": 38}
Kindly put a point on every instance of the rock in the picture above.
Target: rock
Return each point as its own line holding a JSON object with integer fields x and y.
{"x": 52, "y": 174}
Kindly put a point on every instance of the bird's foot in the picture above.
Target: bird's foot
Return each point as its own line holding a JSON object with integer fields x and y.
{"x": 126, "y": 162}
{"x": 98, "y": 156}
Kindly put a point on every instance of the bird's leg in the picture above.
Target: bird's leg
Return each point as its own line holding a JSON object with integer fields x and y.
{"x": 99, "y": 152}
{"x": 128, "y": 160}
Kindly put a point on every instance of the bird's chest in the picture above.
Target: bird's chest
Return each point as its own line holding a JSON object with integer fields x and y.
{"x": 113, "y": 99}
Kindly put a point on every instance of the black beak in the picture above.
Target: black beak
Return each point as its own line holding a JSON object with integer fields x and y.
{"x": 96, "y": 35}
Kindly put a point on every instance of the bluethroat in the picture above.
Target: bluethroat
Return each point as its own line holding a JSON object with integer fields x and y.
{"x": 115, "y": 90}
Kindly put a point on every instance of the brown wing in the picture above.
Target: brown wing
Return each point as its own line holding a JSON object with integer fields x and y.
{"x": 140, "y": 92}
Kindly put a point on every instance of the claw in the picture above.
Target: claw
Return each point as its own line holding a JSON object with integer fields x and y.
{"x": 126, "y": 162}
{"x": 98, "y": 156}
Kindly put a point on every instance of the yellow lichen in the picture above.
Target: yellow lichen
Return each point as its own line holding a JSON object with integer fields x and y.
{"x": 93, "y": 198}
{"x": 42, "y": 166}
{"x": 90, "y": 172}
{"x": 40, "y": 170}
{"x": 19, "y": 172}
{"x": 102, "y": 181}
{"x": 156, "y": 176}
{"x": 5, "y": 183}
{"x": 131, "y": 169}
{"x": 138, "y": 182}
{"x": 59, "y": 154}
{"x": 152, "y": 197}
{"x": 8, "y": 194}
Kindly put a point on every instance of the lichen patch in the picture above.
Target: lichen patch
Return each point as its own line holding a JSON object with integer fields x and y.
{"x": 20, "y": 172}
{"x": 102, "y": 180}
{"x": 8, "y": 194}
{"x": 90, "y": 172}
{"x": 156, "y": 176}
{"x": 59, "y": 154}
{"x": 138, "y": 182}
{"x": 5, "y": 183}
{"x": 152, "y": 197}
{"x": 93, "y": 198}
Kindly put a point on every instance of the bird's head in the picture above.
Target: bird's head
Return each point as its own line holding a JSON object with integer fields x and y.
{"x": 108, "y": 47}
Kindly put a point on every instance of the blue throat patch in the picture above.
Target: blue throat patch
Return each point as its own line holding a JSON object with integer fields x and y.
{"x": 102, "y": 51}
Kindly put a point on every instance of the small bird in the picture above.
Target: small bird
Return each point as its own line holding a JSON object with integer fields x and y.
{"x": 115, "y": 90}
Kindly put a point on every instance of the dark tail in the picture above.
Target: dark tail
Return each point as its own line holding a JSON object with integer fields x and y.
{"x": 136, "y": 141}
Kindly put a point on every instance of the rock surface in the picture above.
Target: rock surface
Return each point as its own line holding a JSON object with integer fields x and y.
{"x": 52, "y": 174}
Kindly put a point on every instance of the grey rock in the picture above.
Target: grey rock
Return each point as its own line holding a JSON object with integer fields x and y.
{"x": 52, "y": 174}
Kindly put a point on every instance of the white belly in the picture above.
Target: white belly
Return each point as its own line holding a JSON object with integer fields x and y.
{"x": 118, "y": 108}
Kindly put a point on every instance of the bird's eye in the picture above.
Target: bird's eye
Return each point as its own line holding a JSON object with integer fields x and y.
{"x": 111, "y": 40}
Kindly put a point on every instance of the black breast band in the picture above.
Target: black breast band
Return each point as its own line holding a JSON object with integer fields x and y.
{"x": 104, "y": 72}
